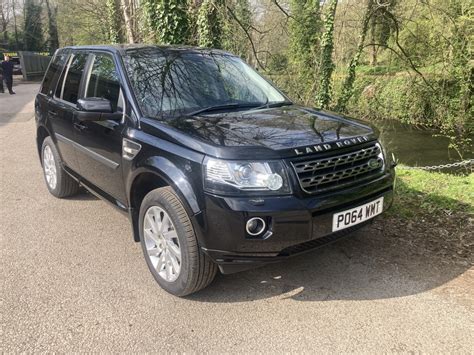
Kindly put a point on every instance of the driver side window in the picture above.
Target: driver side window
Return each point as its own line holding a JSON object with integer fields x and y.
{"x": 103, "y": 81}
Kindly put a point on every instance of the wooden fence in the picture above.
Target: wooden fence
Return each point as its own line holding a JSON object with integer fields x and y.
{"x": 33, "y": 65}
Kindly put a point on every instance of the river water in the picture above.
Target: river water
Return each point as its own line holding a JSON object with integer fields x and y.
{"x": 418, "y": 147}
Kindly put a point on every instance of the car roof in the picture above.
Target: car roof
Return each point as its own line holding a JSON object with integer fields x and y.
{"x": 123, "y": 48}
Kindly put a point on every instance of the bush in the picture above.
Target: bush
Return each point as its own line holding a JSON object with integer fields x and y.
{"x": 411, "y": 100}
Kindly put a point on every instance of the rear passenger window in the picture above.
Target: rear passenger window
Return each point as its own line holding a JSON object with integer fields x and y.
{"x": 70, "y": 87}
{"x": 104, "y": 81}
{"x": 53, "y": 72}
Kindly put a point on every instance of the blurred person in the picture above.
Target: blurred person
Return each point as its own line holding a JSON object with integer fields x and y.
{"x": 7, "y": 75}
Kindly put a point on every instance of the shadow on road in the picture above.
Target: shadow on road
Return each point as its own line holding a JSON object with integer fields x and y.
{"x": 83, "y": 195}
{"x": 394, "y": 257}
{"x": 363, "y": 267}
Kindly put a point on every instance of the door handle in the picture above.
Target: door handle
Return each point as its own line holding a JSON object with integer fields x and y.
{"x": 79, "y": 126}
{"x": 52, "y": 113}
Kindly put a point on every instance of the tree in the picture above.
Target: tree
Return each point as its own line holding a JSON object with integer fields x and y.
{"x": 348, "y": 84}
{"x": 5, "y": 17}
{"x": 236, "y": 30}
{"x": 53, "y": 42}
{"x": 33, "y": 32}
{"x": 114, "y": 22}
{"x": 168, "y": 20}
{"x": 304, "y": 27}
{"x": 381, "y": 27}
{"x": 209, "y": 24}
{"x": 459, "y": 122}
{"x": 327, "y": 65}
{"x": 128, "y": 9}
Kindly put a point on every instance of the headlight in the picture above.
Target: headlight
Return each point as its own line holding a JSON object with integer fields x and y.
{"x": 235, "y": 177}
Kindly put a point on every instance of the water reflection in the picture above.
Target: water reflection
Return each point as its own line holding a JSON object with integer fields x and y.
{"x": 416, "y": 147}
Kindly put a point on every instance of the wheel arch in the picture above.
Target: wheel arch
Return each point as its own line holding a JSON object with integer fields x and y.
{"x": 149, "y": 177}
{"x": 41, "y": 134}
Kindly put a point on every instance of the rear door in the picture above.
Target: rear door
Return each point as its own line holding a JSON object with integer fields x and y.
{"x": 48, "y": 86}
{"x": 99, "y": 148}
{"x": 63, "y": 105}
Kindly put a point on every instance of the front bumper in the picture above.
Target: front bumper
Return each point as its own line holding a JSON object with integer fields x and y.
{"x": 297, "y": 224}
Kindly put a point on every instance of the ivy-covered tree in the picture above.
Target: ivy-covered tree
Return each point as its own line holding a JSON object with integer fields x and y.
{"x": 114, "y": 21}
{"x": 33, "y": 32}
{"x": 304, "y": 27}
{"x": 327, "y": 64}
{"x": 168, "y": 20}
{"x": 209, "y": 24}
{"x": 236, "y": 27}
{"x": 347, "y": 86}
{"x": 381, "y": 27}
{"x": 53, "y": 40}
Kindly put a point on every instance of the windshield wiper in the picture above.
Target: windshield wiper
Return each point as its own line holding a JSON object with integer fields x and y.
{"x": 270, "y": 104}
{"x": 222, "y": 107}
{"x": 231, "y": 105}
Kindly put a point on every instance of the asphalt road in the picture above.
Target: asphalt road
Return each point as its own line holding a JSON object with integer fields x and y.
{"x": 72, "y": 279}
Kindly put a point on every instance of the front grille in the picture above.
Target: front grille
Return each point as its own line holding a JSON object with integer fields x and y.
{"x": 337, "y": 171}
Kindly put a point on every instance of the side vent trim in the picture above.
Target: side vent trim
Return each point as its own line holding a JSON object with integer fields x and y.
{"x": 130, "y": 149}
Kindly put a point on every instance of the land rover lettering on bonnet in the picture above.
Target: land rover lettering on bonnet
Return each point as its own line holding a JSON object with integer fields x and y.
{"x": 215, "y": 167}
{"x": 328, "y": 146}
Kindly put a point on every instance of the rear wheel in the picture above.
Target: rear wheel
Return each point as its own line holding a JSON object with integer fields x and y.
{"x": 170, "y": 245}
{"x": 59, "y": 183}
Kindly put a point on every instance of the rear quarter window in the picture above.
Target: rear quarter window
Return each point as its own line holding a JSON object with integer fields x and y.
{"x": 54, "y": 70}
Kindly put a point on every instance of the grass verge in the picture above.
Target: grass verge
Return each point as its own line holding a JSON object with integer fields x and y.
{"x": 432, "y": 214}
{"x": 423, "y": 192}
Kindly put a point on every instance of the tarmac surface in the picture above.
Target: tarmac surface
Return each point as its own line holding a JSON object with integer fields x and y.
{"x": 72, "y": 279}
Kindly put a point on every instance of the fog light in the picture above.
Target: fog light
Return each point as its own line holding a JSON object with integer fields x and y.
{"x": 255, "y": 226}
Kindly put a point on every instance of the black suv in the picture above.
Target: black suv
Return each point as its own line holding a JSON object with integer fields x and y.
{"x": 215, "y": 167}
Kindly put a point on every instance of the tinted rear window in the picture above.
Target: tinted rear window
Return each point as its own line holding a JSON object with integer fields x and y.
{"x": 73, "y": 78}
{"x": 53, "y": 72}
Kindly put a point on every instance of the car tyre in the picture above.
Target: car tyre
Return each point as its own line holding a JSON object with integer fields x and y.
{"x": 168, "y": 241}
{"x": 59, "y": 183}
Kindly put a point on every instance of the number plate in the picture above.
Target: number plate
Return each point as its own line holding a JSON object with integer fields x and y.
{"x": 357, "y": 215}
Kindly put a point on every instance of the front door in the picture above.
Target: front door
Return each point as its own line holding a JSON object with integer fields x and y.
{"x": 99, "y": 144}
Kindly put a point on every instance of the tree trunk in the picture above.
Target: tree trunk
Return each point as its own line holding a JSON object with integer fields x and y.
{"x": 5, "y": 35}
{"x": 373, "y": 60}
{"x": 52, "y": 27}
{"x": 113, "y": 22}
{"x": 327, "y": 65}
{"x": 17, "y": 44}
{"x": 4, "y": 23}
{"x": 129, "y": 26}
{"x": 348, "y": 84}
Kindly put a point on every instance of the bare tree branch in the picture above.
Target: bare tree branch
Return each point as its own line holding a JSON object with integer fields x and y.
{"x": 254, "y": 50}
{"x": 282, "y": 9}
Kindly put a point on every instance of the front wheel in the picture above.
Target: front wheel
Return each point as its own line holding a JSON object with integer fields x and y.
{"x": 170, "y": 245}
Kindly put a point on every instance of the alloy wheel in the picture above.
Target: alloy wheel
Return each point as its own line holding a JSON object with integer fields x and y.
{"x": 49, "y": 167}
{"x": 162, "y": 244}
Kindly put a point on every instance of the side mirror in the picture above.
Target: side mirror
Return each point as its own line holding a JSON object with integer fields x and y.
{"x": 94, "y": 104}
{"x": 96, "y": 109}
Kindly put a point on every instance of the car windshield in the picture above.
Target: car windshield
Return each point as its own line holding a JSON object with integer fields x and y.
{"x": 179, "y": 82}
